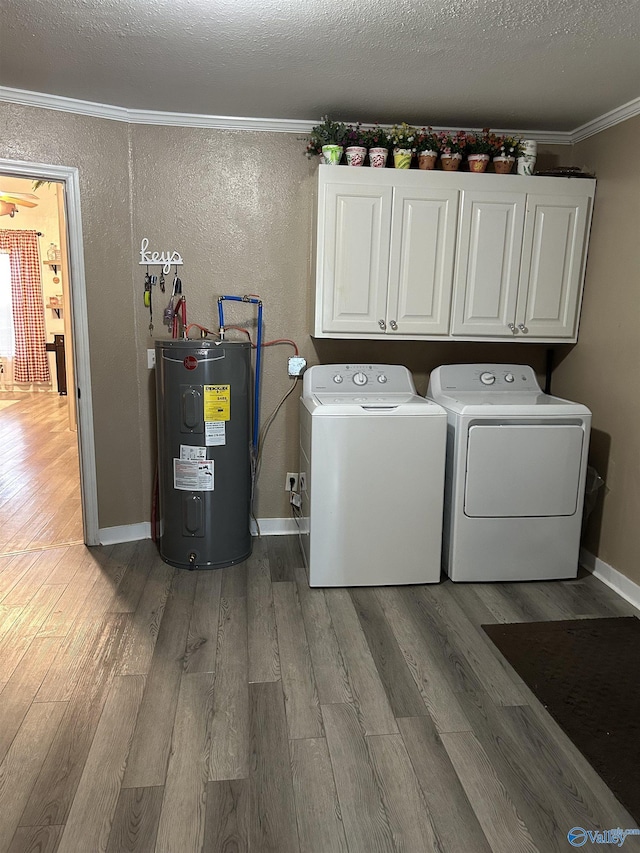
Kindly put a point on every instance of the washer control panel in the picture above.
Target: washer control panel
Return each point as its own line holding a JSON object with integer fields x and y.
{"x": 480, "y": 378}
{"x": 348, "y": 379}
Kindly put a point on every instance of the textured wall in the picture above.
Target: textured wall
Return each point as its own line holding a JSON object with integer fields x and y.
{"x": 239, "y": 208}
{"x": 601, "y": 371}
{"x": 100, "y": 150}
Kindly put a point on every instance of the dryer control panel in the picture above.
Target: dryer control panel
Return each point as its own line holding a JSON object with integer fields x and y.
{"x": 476, "y": 378}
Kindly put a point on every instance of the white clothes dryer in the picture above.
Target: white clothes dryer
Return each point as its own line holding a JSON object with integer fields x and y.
{"x": 372, "y": 455}
{"x": 515, "y": 474}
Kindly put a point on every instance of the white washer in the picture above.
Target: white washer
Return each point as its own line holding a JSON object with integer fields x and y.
{"x": 515, "y": 478}
{"x": 372, "y": 456}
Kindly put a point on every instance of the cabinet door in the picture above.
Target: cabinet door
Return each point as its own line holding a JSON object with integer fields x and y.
{"x": 353, "y": 258}
{"x": 488, "y": 263}
{"x": 553, "y": 252}
{"x": 423, "y": 234}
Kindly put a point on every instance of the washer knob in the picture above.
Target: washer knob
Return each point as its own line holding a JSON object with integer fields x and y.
{"x": 337, "y": 378}
{"x": 382, "y": 378}
{"x": 487, "y": 378}
{"x": 360, "y": 379}
{"x": 509, "y": 377}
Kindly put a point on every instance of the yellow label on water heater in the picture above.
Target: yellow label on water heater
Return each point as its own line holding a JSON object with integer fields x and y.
{"x": 217, "y": 402}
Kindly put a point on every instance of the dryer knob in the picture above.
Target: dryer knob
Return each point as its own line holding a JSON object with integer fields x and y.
{"x": 360, "y": 379}
{"x": 487, "y": 378}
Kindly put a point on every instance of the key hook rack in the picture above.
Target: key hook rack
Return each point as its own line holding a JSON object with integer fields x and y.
{"x": 167, "y": 259}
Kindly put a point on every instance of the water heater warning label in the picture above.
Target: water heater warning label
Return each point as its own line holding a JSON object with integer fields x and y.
{"x": 215, "y": 433}
{"x": 193, "y": 475}
{"x": 217, "y": 406}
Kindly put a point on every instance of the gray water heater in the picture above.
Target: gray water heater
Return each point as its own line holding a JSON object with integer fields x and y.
{"x": 204, "y": 436}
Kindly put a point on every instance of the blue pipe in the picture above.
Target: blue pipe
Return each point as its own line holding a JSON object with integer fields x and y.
{"x": 256, "y": 404}
{"x": 256, "y": 398}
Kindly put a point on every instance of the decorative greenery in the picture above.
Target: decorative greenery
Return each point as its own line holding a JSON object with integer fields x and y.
{"x": 427, "y": 140}
{"x": 452, "y": 142}
{"x": 376, "y": 137}
{"x": 327, "y": 133}
{"x": 507, "y": 146}
{"x": 355, "y": 135}
{"x": 480, "y": 143}
{"x": 403, "y": 136}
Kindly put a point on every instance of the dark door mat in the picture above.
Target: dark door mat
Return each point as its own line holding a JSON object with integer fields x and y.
{"x": 585, "y": 673}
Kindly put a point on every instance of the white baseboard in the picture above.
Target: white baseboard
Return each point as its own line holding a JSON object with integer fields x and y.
{"x": 624, "y": 586}
{"x": 124, "y": 533}
{"x": 274, "y": 526}
{"x": 134, "y": 532}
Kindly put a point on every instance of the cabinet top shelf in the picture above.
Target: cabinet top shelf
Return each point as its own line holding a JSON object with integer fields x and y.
{"x": 366, "y": 175}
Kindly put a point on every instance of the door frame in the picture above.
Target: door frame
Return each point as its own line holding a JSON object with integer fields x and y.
{"x": 69, "y": 176}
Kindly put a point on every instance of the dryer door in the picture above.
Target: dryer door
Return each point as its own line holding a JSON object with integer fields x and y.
{"x": 526, "y": 470}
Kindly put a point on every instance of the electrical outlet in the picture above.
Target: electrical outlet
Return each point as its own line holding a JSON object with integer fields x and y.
{"x": 303, "y": 481}
{"x": 291, "y": 483}
{"x": 151, "y": 358}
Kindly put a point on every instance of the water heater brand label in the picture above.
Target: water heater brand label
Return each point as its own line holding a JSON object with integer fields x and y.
{"x": 193, "y": 475}
{"x": 217, "y": 405}
{"x": 190, "y": 362}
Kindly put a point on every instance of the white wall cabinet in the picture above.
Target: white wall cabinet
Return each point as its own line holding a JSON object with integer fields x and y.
{"x": 449, "y": 256}
{"x": 385, "y": 257}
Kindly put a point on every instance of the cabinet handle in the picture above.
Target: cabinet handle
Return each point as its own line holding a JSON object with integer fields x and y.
{"x": 513, "y": 328}
{"x": 393, "y": 325}
{"x": 382, "y": 324}
{"x": 523, "y": 328}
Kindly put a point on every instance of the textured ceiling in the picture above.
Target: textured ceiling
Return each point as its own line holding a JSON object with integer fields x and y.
{"x": 504, "y": 63}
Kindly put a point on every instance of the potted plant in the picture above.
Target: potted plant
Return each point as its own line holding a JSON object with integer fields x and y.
{"x": 376, "y": 139}
{"x": 506, "y": 149}
{"x": 403, "y": 138}
{"x": 356, "y": 149}
{"x": 428, "y": 148}
{"x": 480, "y": 147}
{"x": 452, "y": 147}
{"x": 327, "y": 138}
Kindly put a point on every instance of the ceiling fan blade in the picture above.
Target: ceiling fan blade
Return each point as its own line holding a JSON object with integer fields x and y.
{"x": 25, "y": 199}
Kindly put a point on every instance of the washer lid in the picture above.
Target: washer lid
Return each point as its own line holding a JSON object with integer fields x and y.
{"x": 375, "y": 404}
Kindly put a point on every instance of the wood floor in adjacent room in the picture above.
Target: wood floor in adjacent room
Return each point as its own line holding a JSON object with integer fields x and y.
{"x": 39, "y": 473}
{"x": 150, "y": 709}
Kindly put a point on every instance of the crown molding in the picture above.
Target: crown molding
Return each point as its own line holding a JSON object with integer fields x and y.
{"x": 613, "y": 117}
{"x": 152, "y": 117}
{"x": 277, "y": 125}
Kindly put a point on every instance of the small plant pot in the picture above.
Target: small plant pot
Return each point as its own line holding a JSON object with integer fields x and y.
{"x": 478, "y": 162}
{"x": 427, "y": 159}
{"x": 402, "y": 158}
{"x": 503, "y": 165}
{"x": 378, "y": 157}
{"x": 450, "y": 162}
{"x": 332, "y": 154}
{"x": 355, "y": 155}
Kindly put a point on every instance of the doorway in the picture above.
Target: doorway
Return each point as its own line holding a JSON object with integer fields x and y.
{"x": 48, "y": 494}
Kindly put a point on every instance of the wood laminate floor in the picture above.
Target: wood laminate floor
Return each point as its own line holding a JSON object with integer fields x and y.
{"x": 39, "y": 473}
{"x": 144, "y": 708}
